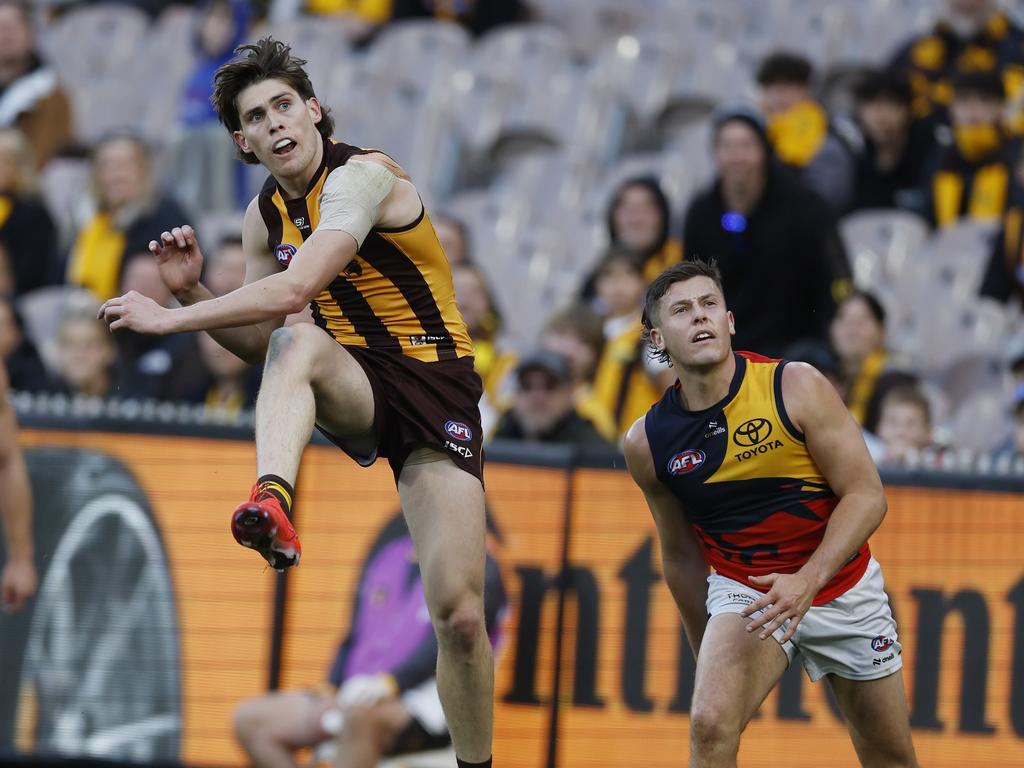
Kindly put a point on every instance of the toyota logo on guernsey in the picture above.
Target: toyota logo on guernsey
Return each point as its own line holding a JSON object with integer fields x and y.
{"x": 685, "y": 462}
{"x": 459, "y": 431}
{"x": 752, "y": 432}
{"x": 881, "y": 643}
{"x": 284, "y": 253}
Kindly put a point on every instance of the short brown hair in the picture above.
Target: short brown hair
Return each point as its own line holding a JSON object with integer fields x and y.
{"x": 269, "y": 59}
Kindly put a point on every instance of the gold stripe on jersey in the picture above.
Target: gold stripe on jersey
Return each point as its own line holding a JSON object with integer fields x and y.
{"x": 396, "y": 294}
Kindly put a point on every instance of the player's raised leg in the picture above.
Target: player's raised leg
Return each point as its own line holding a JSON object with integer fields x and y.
{"x": 444, "y": 507}
{"x": 878, "y": 721}
{"x": 735, "y": 671}
{"x": 307, "y": 377}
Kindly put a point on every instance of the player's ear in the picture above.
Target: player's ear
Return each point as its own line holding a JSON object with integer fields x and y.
{"x": 315, "y": 110}
{"x": 240, "y": 141}
{"x": 732, "y": 323}
{"x": 657, "y": 340}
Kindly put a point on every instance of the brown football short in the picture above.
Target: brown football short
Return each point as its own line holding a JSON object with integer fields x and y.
{"x": 419, "y": 404}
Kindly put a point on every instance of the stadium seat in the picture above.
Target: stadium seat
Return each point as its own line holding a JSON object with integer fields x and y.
{"x": 320, "y": 40}
{"x": 957, "y": 256}
{"x": 97, "y": 41}
{"x": 981, "y": 422}
{"x": 204, "y": 163}
{"x": 63, "y": 183}
{"x": 417, "y": 56}
{"x": 880, "y": 242}
{"x": 174, "y": 30}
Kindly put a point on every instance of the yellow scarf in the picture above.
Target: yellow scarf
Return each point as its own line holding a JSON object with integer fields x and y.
{"x": 863, "y": 385}
{"x": 372, "y": 11}
{"x": 96, "y": 257}
{"x": 798, "y": 133}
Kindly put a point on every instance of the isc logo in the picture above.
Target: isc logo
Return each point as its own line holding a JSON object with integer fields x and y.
{"x": 459, "y": 431}
{"x": 684, "y": 462}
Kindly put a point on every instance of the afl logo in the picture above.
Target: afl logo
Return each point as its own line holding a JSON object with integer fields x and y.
{"x": 752, "y": 432}
{"x": 284, "y": 253}
{"x": 458, "y": 431}
{"x": 685, "y": 462}
{"x": 881, "y": 643}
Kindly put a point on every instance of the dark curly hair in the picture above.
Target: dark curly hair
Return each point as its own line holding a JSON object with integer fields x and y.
{"x": 677, "y": 273}
{"x": 269, "y": 59}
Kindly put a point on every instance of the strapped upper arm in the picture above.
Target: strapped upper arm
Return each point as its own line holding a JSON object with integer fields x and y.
{"x": 352, "y": 196}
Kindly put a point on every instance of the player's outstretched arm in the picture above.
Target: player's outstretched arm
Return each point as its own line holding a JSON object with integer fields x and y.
{"x": 265, "y": 300}
{"x": 686, "y": 568}
{"x": 18, "y": 580}
{"x": 836, "y": 444}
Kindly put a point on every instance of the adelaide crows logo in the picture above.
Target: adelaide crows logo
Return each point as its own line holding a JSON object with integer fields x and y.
{"x": 752, "y": 432}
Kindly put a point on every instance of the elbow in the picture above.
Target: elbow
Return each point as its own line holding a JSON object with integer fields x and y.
{"x": 296, "y": 298}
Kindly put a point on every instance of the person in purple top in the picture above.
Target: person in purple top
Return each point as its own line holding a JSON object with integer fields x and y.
{"x": 380, "y": 697}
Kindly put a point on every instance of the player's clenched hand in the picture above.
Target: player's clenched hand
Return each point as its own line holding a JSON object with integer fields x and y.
{"x": 179, "y": 258}
{"x": 789, "y": 597}
{"x": 135, "y": 312}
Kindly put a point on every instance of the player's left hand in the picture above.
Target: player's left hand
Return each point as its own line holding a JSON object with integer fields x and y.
{"x": 17, "y": 584}
{"x": 136, "y": 312}
{"x": 788, "y": 598}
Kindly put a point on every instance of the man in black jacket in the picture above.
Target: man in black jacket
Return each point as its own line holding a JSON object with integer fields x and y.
{"x": 783, "y": 264}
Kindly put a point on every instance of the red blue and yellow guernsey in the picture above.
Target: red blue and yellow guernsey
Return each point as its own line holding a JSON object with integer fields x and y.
{"x": 742, "y": 472}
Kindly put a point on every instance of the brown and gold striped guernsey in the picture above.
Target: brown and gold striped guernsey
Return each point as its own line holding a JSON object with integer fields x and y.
{"x": 396, "y": 294}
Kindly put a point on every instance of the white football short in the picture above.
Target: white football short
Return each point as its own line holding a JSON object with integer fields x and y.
{"x": 853, "y": 636}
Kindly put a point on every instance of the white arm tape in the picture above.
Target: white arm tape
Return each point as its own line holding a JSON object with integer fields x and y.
{"x": 351, "y": 195}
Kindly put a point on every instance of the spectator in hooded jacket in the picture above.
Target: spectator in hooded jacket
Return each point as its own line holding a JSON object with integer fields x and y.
{"x": 783, "y": 264}
{"x": 221, "y": 27}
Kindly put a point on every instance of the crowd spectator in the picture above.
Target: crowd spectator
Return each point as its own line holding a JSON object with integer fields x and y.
{"x": 975, "y": 176}
{"x": 127, "y": 211}
{"x": 543, "y": 409}
{"x": 86, "y": 356}
{"x": 454, "y": 238}
{"x": 28, "y": 235}
{"x": 972, "y": 36}
{"x": 858, "y": 339}
{"x": 492, "y": 361}
{"x": 158, "y": 367}
{"x": 783, "y": 263}
{"x": 628, "y": 381}
{"x": 229, "y": 384}
{"x": 897, "y": 149}
{"x": 31, "y": 96}
{"x": 25, "y": 368}
{"x": 577, "y": 333}
{"x": 1013, "y": 446}
{"x": 224, "y": 270}
{"x": 639, "y": 222}
{"x": 801, "y": 132}
{"x": 221, "y": 27}
{"x": 904, "y": 425}
{"x": 478, "y": 16}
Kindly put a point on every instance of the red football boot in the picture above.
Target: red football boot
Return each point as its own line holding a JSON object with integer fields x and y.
{"x": 262, "y": 525}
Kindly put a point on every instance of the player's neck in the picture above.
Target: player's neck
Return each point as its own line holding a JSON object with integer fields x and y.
{"x": 702, "y": 387}
{"x": 295, "y": 187}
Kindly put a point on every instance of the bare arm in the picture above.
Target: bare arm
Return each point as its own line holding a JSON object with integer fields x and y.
{"x": 686, "y": 568}
{"x": 18, "y": 580}
{"x": 837, "y": 446}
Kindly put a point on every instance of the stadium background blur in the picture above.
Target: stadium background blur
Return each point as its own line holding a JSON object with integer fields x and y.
{"x": 568, "y": 150}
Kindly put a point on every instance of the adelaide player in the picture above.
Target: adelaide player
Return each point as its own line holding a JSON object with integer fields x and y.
{"x": 385, "y": 370}
{"x": 755, "y": 467}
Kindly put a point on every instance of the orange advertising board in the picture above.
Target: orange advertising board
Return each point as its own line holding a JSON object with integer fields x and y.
{"x": 952, "y": 562}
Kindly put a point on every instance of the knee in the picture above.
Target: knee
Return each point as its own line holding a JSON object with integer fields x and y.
{"x": 459, "y": 623}
{"x": 291, "y": 347}
{"x": 712, "y": 731}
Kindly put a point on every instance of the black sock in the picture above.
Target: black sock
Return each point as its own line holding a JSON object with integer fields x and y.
{"x": 463, "y": 764}
{"x": 278, "y": 487}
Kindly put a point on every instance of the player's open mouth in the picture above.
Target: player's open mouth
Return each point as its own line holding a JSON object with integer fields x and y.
{"x": 702, "y": 336}
{"x": 283, "y": 146}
